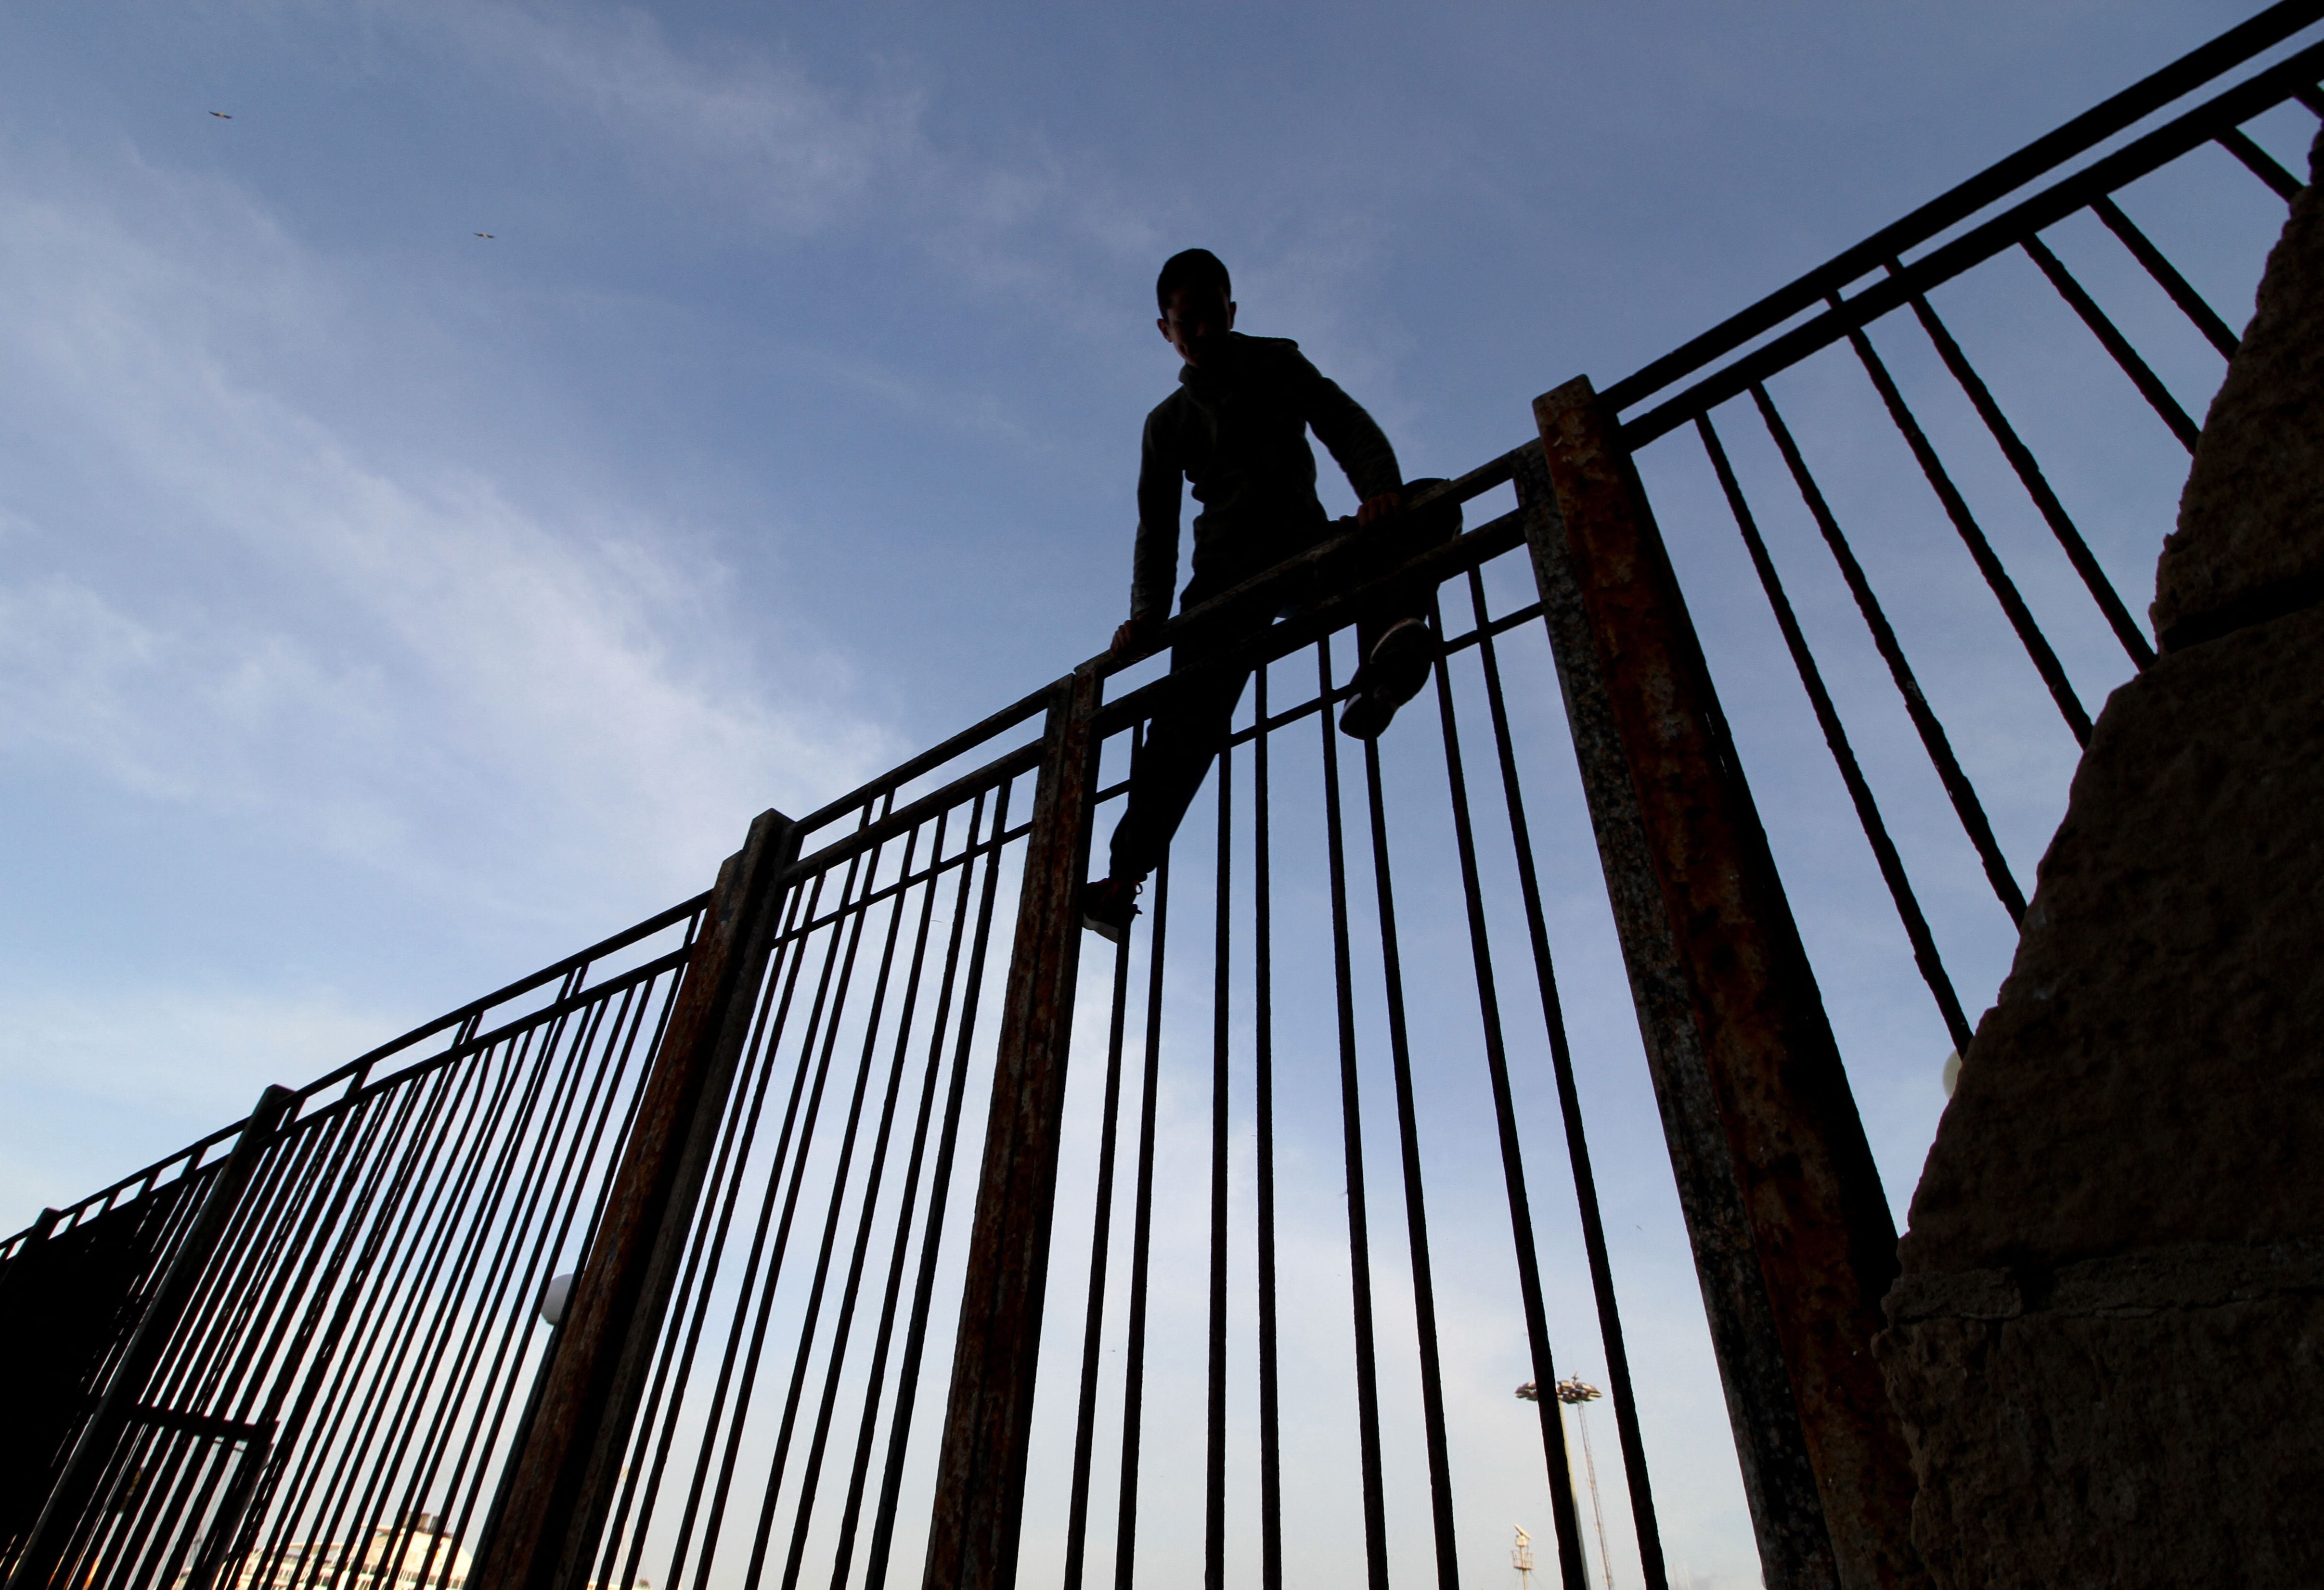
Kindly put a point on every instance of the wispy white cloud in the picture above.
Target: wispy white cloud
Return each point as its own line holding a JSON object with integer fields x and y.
{"x": 156, "y": 1064}
{"x": 170, "y": 1047}
{"x": 756, "y": 140}
{"x": 391, "y": 655}
{"x": 753, "y": 129}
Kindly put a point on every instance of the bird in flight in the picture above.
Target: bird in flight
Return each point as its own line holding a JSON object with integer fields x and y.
{"x": 485, "y": 235}
{"x": 221, "y": 116}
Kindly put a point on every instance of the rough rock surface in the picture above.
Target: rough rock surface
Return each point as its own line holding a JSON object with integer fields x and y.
{"x": 2153, "y": 1071}
{"x": 2250, "y": 541}
{"x": 2155, "y": 1445}
{"x": 2107, "y": 1342}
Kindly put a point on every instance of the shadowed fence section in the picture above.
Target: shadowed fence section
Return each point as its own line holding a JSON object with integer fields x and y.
{"x": 915, "y": 1234}
{"x": 331, "y": 1329}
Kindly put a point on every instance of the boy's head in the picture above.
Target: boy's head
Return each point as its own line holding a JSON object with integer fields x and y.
{"x": 1197, "y": 303}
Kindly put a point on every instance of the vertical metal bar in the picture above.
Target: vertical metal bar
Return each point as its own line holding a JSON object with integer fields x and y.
{"x": 566, "y": 1475}
{"x": 1351, "y": 1138}
{"x": 1835, "y": 739}
{"x": 1270, "y": 1437}
{"x": 1534, "y": 496}
{"x": 213, "y": 1341}
{"x": 1573, "y": 1570}
{"x": 808, "y": 1322}
{"x": 553, "y": 1208}
{"x": 830, "y": 1015}
{"x": 989, "y": 1418}
{"x": 1142, "y": 1245}
{"x": 706, "y": 1454}
{"x": 1816, "y": 1240}
{"x": 554, "y": 1244}
{"x": 1214, "y": 1448}
{"x": 875, "y": 1378}
{"x": 1778, "y": 1480}
{"x": 842, "y": 1329}
{"x": 1093, "y": 1313}
{"x": 916, "y": 1333}
{"x": 2037, "y": 485}
{"x": 410, "y": 1354}
{"x": 1981, "y": 550}
{"x": 2182, "y": 292}
{"x": 420, "y": 1239}
{"x": 217, "y": 1346}
{"x": 1963, "y": 793}
{"x": 63, "y": 1513}
{"x": 314, "y": 1348}
{"x": 1415, "y": 1203}
{"x": 322, "y": 1201}
{"x": 566, "y": 1044}
{"x": 2261, "y": 164}
{"x": 229, "y": 1343}
{"x": 400, "y": 1156}
{"x": 476, "y": 1210}
{"x": 2141, "y": 374}
{"x": 633, "y": 1511}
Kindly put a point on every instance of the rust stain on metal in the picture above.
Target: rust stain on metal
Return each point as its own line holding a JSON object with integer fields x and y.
{"x": 988, "y": 1419}
{"x": 1818, "y": 1220}
{"x": 544, "y": 1535}
{"x": 1778, "y": 1480}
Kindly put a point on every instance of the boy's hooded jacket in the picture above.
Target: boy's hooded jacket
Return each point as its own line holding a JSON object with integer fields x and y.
{"x": 1236, "y": 429}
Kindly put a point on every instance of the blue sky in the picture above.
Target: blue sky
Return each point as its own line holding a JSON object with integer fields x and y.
{"x": 385, "y": 610}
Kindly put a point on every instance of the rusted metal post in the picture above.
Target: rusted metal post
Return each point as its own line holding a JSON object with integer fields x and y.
{"x": 1793, "y": 1242}
{"x": 980, "y": 1496}
{"x": 75, "y": 1489}
{"x": 562, "y": 1479}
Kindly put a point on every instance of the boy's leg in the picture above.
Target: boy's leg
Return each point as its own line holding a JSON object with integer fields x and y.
{"x": 1393, "y": 637}
{"x": 1182, "y": 740}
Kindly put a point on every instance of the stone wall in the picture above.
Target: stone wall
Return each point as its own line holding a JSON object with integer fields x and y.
{"x": 2107, "y": 1339}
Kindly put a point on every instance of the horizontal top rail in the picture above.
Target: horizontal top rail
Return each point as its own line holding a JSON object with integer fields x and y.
{"x": 189, "y": 1158}
{"x": 1016, "y": 712}
{"x": 2005, "y": 231}
{"x": 581, "y": 1000}
{"x": 668, "y": 917}
{"x": 912, "y": 814}
{"x": 1481, "y": 479}
{"x": 1471, "y": 548}
{"x": 2077, "y": 136}
{"x": 1476, "y": 482}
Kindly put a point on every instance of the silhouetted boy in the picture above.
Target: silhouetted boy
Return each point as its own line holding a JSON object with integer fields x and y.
{"x": 1236, "y": 429}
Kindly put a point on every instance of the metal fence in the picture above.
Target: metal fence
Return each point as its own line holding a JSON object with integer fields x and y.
{"x": 316, "y": 1325}
{"x": 898, "y": 1251}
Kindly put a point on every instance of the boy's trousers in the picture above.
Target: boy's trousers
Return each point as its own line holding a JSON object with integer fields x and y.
{"x": 1188, "y": 732}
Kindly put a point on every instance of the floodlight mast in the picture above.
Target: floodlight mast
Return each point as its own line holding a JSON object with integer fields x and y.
{"x": 1521, "y": 1558}
{"x": 1574, "y": 1392}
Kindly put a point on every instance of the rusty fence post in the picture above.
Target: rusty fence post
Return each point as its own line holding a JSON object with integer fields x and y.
{"x": 75, "y": 1488}
{"x": 561, "y": 1480}
{"x": 980, "y": 1495}
{"x": 1793, "y": 1242}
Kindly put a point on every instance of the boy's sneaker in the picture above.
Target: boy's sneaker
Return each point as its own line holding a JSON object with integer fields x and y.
{"x": 1393, "y": 675}
{"x": 1108, "y": 904}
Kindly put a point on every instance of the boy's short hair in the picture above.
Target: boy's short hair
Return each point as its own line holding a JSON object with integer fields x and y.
{"x": 1191, "y": 270}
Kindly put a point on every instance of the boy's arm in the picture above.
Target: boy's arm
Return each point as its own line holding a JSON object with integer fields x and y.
{"x": 1155, "y": 563}
{"x": 1355, "y": 440}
